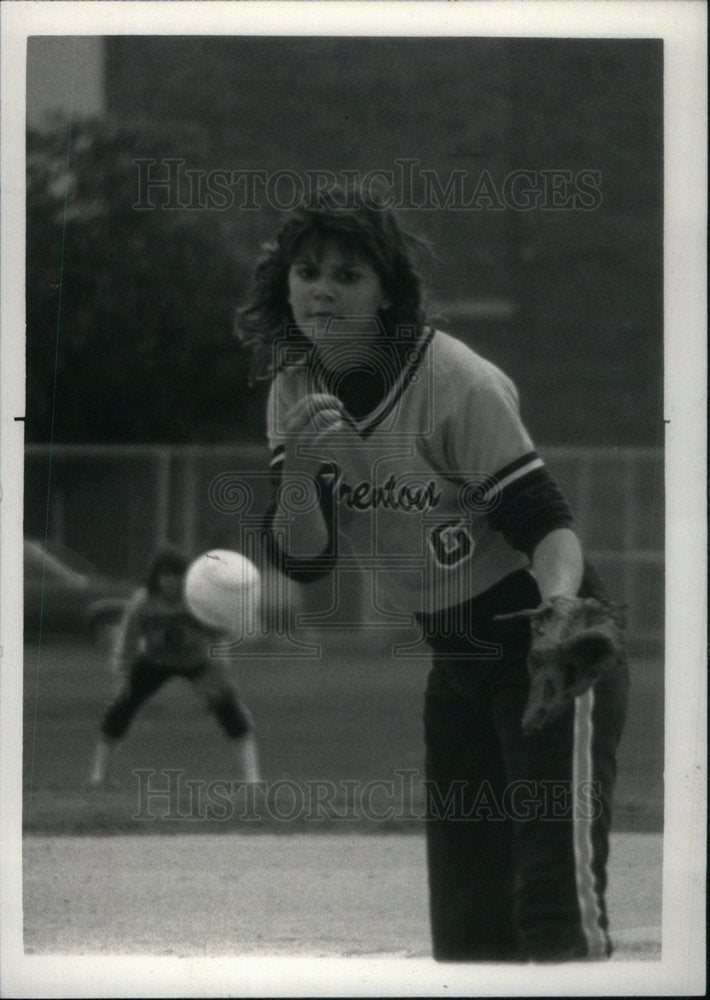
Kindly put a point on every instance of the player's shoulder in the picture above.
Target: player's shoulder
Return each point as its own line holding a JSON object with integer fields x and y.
{"x": 139, "y": 596}
{"x": 144, "y": 601}
{"x": 459, "y": 366}
{"x": 136, "y": 602}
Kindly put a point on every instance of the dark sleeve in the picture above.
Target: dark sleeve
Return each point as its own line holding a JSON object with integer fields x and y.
{"x": 529, "y": 509}
{"x": 302, "y": 570}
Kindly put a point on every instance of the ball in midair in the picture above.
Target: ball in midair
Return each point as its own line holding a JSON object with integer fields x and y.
{"x": 223, "y": 590}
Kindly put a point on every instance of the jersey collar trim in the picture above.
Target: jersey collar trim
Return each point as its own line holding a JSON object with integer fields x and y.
{"x": 413, "y": 359}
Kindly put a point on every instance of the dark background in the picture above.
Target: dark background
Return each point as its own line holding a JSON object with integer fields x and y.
{"x": 133, "y": 310}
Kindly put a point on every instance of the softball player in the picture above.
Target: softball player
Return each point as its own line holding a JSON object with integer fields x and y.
{"x": 159, "y": 640}
{"x": 406, "y": 454}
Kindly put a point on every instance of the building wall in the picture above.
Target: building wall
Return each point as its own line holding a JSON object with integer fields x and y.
{"x": 64, "y": 74}
{"x": 568, "y": 301}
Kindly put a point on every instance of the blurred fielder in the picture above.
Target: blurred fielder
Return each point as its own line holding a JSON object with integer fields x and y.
{"x": 159, "y": 640}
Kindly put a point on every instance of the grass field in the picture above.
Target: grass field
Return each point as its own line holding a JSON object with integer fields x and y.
{"x": 349, "y": 882}
{"x": 353, "y": 715}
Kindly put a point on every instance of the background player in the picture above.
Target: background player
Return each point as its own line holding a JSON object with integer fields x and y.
{"x": 159, "y": 639}
{"x": 414, "y": 447}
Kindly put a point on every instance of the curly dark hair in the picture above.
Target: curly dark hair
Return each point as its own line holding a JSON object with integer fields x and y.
{"x": 362, "y": 226}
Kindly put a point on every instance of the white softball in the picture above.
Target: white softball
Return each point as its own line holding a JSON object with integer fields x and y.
{"x": 223, "y": 590}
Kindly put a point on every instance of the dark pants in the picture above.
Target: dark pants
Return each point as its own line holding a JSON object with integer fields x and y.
{"x": 517, "y": 827}
{"x": 146, "y": 678}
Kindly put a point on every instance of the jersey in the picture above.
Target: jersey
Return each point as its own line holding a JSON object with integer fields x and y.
{"x": 414, "y": 482}
{"x": 162, "y": 632}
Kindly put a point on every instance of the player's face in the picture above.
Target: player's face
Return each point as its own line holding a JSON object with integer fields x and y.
{"x": 332, "y": 298}
{"x": 170, "y": 585}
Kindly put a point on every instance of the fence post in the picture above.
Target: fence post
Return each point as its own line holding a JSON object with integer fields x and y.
{"x": 584, "y": 489}
{"x": 188, "y": 495}
{"x": 57, "y": 514}
{"x": 162, "y": 496}
{"x": 628, "y": 540}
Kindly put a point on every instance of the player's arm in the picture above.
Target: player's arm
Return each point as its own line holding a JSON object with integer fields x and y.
{"x": 299, "y": 522}
{"x": 526, "y": 505}
{"x": 129, "y": 639}
{"x": 558, "y": 564}
{"x": 534, "y": 518}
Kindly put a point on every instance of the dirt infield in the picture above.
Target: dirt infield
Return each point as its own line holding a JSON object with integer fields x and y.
{"x": 324, "y": 895}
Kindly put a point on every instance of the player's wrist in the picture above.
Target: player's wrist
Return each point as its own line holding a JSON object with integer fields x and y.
{"x": 557, "y": 593}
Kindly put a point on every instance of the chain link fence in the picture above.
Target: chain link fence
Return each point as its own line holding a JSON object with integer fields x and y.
{"x": 115, "y": 504}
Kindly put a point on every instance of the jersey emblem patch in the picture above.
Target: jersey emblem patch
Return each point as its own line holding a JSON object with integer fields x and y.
{"x": 451, "y": 542}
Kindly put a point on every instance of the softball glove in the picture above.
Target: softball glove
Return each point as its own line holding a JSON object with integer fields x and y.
{"x": 575, "y": 641}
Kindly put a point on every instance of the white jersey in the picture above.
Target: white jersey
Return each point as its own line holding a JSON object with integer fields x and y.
{"x": 415, "y": 480}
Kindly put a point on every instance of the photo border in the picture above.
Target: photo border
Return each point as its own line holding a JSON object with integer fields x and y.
{"x": 681, "y": 968}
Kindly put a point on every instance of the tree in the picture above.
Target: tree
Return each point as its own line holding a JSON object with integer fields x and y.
{"x": 129, "y": 311}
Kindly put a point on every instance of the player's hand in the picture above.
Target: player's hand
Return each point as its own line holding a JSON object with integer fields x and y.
{"x": 299, "y": 489}
{"x": 315, "y": 413}
{"x": 574, "y": 642}
{"x": 319, "y": 436}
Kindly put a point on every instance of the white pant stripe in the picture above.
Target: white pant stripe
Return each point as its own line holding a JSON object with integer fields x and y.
{"x": 582, "y": 772}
